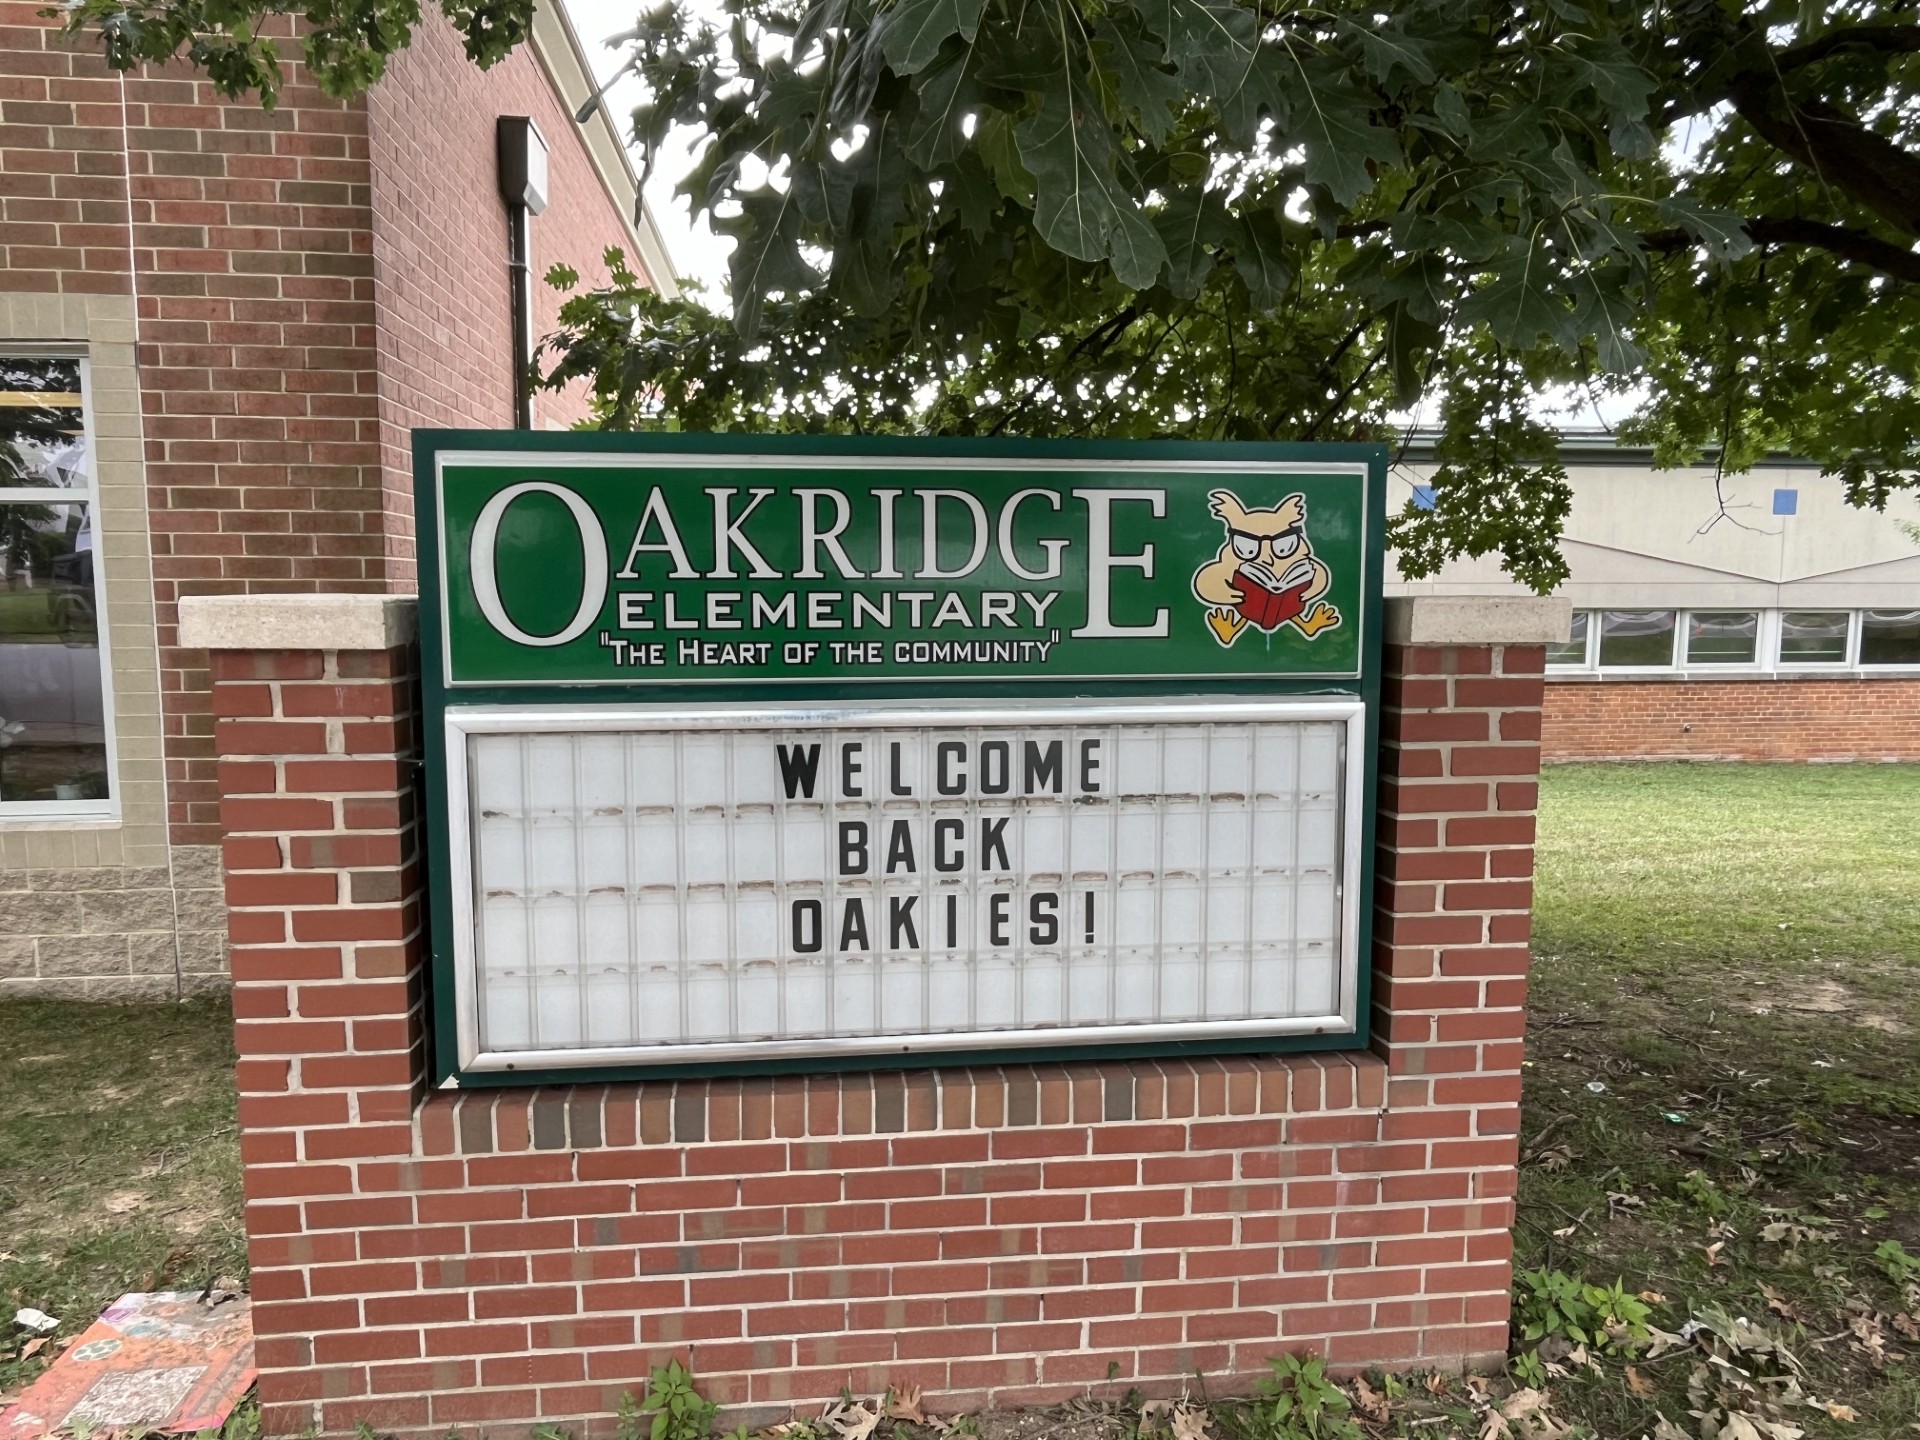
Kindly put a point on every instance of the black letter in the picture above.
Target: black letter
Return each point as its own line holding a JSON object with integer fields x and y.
{"x": 951, "y": 749}
{"x": 850, "y": 768}
{"x": 953, "y": 910}
{"x": 1089, "y": 767}
{"x": 1043, "y": 767}
{"x": 853, "y": 847}
{"x": 992, "y": 783}
{"x": 1043, "y": 919}
{"x": 799, "y": 768}
{"x": 944, "y": 860}
{"x": 997, "y": 906}
{"x": 853, "y": 925}
{"x": 894, "y": 787}
{"x": 900, "y": 847}
{"x": 993, "y": 837}
{"x": 806, "y": 937}
{"x": 900, "y": 917}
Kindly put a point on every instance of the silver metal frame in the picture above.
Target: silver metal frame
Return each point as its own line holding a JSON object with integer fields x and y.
{"x": 23, "y": 814}
{"x": 462, "y": 721}
{"x": 755, "y": 461}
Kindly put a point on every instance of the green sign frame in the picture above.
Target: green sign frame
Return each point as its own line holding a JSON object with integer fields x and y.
{"x": 947, "y": 569}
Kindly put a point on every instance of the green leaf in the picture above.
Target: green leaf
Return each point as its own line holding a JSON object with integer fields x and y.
{"x": 1631, "y": 139}
{"x": 974, "y": 195}
{"x": 1410, "y": 341}
{"x": 1130, "y": 63}
{"x": 912, "y": 32}
{"x": 1422, "y": 283}
{"x": 1451, "y": 111}
{"x": 997, "y": 140}
{"x": 1330, "y": 118}
{"x": 1606, "y": 68}
{"x": 1261, "y": 260}
{"x": 1216, "y": 45}
{"x": 1195, "y": 225}
{"x": 1069, "y": 152}
{"x": 1078, "y": 207}
{"x": 1722, "y": 232}
{"x": 1605, "y": 312}
{"x": 1388, "y": 49}
{"x": 1519, "y": 305}
{"x": 946, "y": 92}
{"x": 822, "y": 194}
{"x": 1136, "y": 249}
{"x": 766, "y": 254}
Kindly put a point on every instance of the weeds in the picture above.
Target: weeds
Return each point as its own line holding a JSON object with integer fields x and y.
{"x": 1299, "y": 1402}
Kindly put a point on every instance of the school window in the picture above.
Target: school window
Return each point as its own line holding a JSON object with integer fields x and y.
{"x": 1573, "y": 650}
{"x": 1814, "y": 637}
{"x": 55, "y": 742}
{"x": 1890, "y": 637}
{"x": 1722, "y": 637}
{"x": 1636, "y": 638}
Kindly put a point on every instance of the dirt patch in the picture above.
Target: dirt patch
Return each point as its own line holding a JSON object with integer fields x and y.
{"x": 1825, "y": 997}
{"x": 1068, "y": 1422}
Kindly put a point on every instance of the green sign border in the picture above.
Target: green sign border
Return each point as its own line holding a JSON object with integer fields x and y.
{"x": 436, "y": 699}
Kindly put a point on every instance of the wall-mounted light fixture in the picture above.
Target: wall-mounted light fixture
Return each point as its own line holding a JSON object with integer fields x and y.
{"x": 521, "y": 164}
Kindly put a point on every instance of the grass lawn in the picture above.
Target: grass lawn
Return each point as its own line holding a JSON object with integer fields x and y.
{"x": 1733, "y": 953}
{"x": 119, "y": 1159}
{"x": 1722, "y": 1113}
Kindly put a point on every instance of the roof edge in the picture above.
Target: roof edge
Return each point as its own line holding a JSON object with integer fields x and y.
{"x": 557, "y": 45}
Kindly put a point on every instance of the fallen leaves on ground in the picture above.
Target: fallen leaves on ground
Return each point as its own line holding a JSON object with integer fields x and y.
{"x": 904, "y": 1404}
{"x": 1186, "y": 1420}
{"x": 1370, "y": 1403}
{"x": 1780, "y": 1304}
{"x": 851, "y": 1419}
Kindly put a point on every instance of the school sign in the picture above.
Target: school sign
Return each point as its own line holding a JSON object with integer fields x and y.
{"x": 820, "y": 751}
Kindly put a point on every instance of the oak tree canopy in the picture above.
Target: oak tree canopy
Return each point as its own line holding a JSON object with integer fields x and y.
{"x": 1266, "y": 220}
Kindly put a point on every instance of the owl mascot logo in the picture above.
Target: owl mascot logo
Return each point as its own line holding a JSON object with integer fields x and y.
{"x": 1266, "y": 574}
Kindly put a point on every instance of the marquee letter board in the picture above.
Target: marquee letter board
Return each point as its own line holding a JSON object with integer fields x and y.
{"x": 750, "y": 753}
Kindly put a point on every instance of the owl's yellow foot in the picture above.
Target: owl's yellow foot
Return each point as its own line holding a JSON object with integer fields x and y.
{"x": 1226, "y": 624}
{"x": 1321, "y": 617}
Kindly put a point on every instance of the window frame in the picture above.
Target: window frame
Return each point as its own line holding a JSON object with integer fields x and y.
{"x": 1766, "y": 661}
{"x": 1849, "y": 660}
{"x": 1725, "y": 667}
{"x": 1585, "y": 662}
{"x": 1876, "y": 668}
{"x": 1595, "y": 633}
{"x": 37, "y": 812}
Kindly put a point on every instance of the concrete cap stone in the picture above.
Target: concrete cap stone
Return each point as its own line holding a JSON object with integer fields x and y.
{"x": 1478, "y": 619}
{"x": 297, "y": 622}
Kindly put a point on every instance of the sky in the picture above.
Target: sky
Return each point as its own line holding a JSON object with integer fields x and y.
{"x": 697, "y": 252}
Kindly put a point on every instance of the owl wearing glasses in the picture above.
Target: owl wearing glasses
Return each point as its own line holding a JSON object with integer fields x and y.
{"x": 1266, "y": 574}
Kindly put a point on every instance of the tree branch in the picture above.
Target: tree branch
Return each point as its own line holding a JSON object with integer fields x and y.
{"x": 1860, "y": 163}
{"x": 1881, "y": 39}
{"x": 1860, "y": 246}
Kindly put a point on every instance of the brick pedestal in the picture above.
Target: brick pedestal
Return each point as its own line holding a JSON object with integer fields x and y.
{"x": 995, "y": 1235}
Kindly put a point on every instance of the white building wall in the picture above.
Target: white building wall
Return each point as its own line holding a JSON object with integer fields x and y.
{"x": 1640, "y": 538}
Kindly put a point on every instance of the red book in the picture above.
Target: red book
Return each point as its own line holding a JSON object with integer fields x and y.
{"x": 1270, "y": 601}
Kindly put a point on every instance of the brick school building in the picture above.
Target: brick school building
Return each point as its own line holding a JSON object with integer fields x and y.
{"x": 217, "y": 326}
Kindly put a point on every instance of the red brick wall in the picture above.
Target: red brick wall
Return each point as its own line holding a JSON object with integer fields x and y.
{"x": 1795, "y": 719}
{"x": 440, "y": 250}
{"x": 304, "y": 295}
{"x": 247, "y": 240}
{"x": 1003, "y": 1234}
{"x": 63, "y": 189}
